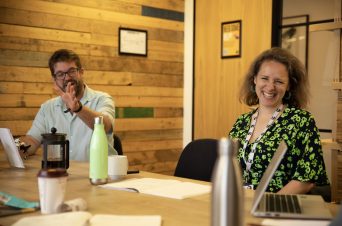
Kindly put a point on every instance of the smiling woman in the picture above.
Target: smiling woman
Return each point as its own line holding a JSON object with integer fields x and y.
{"x": 277, "y": 84}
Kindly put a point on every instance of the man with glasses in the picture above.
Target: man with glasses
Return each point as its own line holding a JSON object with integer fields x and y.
{"x": 73, "y": 111}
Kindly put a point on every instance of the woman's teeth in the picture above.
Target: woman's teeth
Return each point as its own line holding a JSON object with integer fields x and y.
{"x": 269, "y": 95}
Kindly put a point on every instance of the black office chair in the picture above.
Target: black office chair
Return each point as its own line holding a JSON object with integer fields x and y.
{"x": 117, "y": 144}
{"x": 197, "y": 160}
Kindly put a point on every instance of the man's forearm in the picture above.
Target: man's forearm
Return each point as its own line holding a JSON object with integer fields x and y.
{"x": 87, "y": 116}
{"x": 29, "y": 140}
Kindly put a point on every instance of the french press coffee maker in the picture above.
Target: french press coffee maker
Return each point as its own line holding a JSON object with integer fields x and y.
{"x": 55, "y": 150}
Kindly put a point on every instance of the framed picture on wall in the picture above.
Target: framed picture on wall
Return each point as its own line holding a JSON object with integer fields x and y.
{"x": 231, "y": 39}
{"x": 295, "y": 36}
{"x": 132, "y": 42}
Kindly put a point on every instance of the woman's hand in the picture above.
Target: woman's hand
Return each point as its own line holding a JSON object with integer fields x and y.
{"x": 296, "y": 187}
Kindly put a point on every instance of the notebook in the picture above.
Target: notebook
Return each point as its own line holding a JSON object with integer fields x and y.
{"x": 285, "y": 206}
{"x": 10, "y": 148}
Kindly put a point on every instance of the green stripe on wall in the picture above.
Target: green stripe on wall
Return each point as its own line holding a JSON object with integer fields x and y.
{"x": 134, "y": 112}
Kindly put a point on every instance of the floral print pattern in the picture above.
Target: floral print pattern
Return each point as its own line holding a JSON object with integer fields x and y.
{"x": 303, "y": 160}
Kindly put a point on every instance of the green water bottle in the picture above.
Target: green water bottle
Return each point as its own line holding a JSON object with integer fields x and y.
{"x": 98, "y": 162}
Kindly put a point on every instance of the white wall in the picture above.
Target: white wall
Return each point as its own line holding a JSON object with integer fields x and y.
{"x": 323, "y": 59}
{"x": 188, "y": 70}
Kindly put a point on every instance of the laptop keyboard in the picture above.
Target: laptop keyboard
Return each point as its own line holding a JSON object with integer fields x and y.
{"x": 282, "y": 203}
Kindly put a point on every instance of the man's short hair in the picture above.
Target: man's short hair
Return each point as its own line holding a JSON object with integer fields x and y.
{"x": 63, "y": 55}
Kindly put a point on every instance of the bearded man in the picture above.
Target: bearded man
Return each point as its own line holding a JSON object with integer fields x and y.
{"x": 73, "y": 111}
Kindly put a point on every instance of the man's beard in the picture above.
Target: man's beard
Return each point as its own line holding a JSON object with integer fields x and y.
{"x": 78, "y": 84}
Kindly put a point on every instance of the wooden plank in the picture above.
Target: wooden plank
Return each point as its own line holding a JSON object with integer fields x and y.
{"x": 17, "y": 127}
{"x": 24, "y": 58}
{"x": 88, "y": 13}
{"x": 151, "y": 145}
{"x": 40, "y": 19}
{"x": 20, "y": 100}
{"x": 177, "y": 5}
{"x": 42, "y": 88}
{"x": 37, "y": 45}
{"x": 123, "y": 64}
{"x": 148, "y": 124}
{"x": 168, "y": 112}
{"x": 160, "y": 55}
{"x": 115, "y": 6}
{"x": 133, "y": 64}
{"x": 108, "y": 77}
{"x": 25, "y": 88}
{"x": 38, "y": 74}
{"x": 166, "y": 56}
{"x": 20, "y": 127}
{"x": 143, "y": 79}
{"x": 139, "y": 91}
{"x": 31, "y": 100}
{"x": 166, "y": 46}
{"x": 13, "y": 114}
{"x": 24, "y": 74}
{"x": 144, "y": 135}
{"x": 48, "y": 34}
{"x": 126, "y": 101}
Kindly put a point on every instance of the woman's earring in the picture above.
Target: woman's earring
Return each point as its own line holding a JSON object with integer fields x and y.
{"x": 287, "y": 95}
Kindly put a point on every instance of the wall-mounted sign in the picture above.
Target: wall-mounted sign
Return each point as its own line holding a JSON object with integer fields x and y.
{"x": 231, "y": 39}
{"x": 132, "y": 42}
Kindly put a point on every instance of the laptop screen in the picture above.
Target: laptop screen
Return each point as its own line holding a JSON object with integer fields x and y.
{"x": 272, "y": 167}
{"x": 10, "y": 148}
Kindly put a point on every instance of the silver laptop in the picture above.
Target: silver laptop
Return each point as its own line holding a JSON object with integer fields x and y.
{"x": 285, "y": 206}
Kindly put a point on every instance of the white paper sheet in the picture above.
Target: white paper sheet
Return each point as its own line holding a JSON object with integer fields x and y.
{"x": 282, "y": 222}
{"x": 11, "y": 150}
{"x": 80, "y": 218}
{"x": 161, "y": 187}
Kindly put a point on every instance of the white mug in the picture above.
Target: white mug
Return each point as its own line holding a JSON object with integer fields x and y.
{"x": 117, "y": 166}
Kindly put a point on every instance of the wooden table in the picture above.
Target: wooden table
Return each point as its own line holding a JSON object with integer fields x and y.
{"x": 191, "y": 211}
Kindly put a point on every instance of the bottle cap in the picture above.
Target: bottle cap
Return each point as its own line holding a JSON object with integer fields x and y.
{"x": 99, "y": 120}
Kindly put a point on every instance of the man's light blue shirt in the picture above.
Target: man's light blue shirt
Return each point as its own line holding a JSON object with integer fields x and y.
{"x": 78, "y": 133}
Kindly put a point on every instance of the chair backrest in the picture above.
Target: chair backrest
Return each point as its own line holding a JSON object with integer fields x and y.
{"x": 117, "y": 144}
{"x": 197, "y": 160}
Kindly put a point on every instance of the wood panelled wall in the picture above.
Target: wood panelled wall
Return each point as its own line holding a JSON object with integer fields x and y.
{"x": 148, "y": 91}
{"x": 217, "y": 81}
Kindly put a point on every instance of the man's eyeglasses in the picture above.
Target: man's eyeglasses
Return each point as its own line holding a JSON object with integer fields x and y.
{"x": 72, "y": 72}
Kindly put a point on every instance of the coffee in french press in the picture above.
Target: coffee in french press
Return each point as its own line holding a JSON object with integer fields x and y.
{"x": 55, "y": 150}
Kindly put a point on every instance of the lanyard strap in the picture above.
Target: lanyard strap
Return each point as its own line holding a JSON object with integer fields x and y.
{"x": 275, "y": 115}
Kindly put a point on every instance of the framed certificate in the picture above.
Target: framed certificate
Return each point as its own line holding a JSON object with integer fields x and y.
{"x": 132, "y": 42}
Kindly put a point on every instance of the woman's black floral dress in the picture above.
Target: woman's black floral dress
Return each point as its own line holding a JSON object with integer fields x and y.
{"x": 303, "y": 160}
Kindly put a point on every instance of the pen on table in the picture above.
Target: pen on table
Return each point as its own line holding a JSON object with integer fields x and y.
{"x": 132, "y": 171}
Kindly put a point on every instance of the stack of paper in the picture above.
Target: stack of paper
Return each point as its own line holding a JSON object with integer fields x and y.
{"x": 161, "y": 187}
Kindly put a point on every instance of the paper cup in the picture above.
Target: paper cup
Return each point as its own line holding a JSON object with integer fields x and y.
{"x": 117, "y": 166}
{"x": 52, "y": 185}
